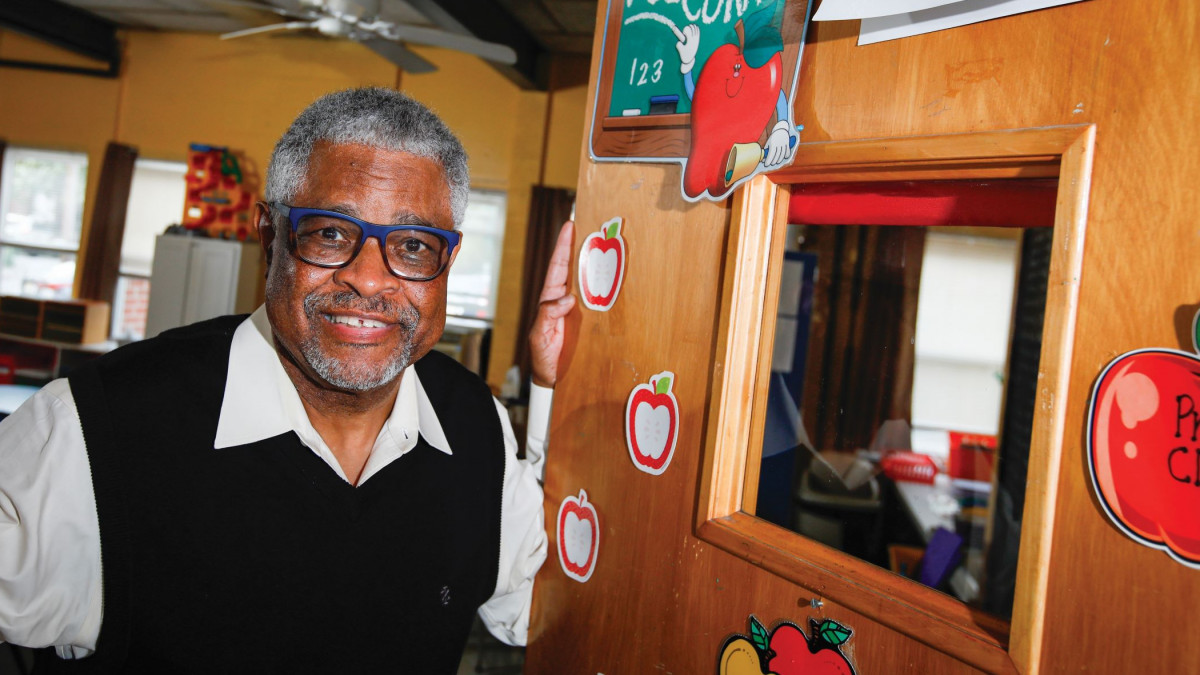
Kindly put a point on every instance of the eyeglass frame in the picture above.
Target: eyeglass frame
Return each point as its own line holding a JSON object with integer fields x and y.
{"x": 370, "y": 231}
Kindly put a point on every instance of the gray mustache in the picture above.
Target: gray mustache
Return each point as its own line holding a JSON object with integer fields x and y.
{"x": 322, "y": 303}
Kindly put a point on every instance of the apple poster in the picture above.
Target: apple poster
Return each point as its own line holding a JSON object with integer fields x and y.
{"x": 578, "y": 537}
{"x": 1143, "y": 452}
{"x": 787, "y": 650}
{"x": 725, "y": 71}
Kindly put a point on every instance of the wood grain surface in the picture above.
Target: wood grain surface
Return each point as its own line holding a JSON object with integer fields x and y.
{"x": 1116, "y": 78}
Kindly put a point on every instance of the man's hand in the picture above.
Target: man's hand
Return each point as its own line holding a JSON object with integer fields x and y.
{"x": 546, "y": 336}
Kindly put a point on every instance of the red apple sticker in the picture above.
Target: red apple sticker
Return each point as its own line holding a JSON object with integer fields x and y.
{"x": 651, "y": 420}
{"x": 602, "y": 266}
{"x": 578, "y": 537}
{"x": 1143, "y": 452}
{"x": 786, "y": 650}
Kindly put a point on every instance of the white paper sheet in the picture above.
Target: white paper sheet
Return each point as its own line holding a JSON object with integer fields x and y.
{"x": 840, "y": 10}
{"x": 962, "y": 13}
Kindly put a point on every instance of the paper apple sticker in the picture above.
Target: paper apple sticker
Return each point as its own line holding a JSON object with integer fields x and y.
{"x": 602, "y": 266}
{"x": 786, "y": 650}
{"x": 578, "y": 537}
{"x": 651, "y": 421}
{"x": 1143, "y": 452}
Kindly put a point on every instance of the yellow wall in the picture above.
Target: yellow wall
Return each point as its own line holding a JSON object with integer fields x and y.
{"x": 178, "y": 88}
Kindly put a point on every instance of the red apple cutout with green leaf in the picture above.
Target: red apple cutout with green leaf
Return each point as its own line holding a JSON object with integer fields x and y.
{"x": 1144, "y": 452}
{"x": 651, "y": 421}
{"x": 602, "y": 266}
{"x": 578, "y": 537}
{"x": 734, "y": 102}
{"x": 786, "y": 650}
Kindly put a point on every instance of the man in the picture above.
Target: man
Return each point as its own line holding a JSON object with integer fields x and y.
{"x": 312, "y": 488}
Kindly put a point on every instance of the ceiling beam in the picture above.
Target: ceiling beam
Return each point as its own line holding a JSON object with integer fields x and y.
{"x": 66, "y": 27}
{"x": 487, "y": 20}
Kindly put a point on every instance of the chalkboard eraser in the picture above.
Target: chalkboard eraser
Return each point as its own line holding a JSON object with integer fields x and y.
{"x": 664, "y": 105}
{"x": 631, "y": 112}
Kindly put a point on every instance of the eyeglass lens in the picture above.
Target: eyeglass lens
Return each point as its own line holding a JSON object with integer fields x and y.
{"x": 412, "y": 254}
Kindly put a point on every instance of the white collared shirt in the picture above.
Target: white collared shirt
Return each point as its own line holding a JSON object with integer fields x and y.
{"x": 50, "y": 571}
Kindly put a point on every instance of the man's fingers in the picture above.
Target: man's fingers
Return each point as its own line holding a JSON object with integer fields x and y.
{"x": 557, "y": 309}
{"x": 560, "y": 262}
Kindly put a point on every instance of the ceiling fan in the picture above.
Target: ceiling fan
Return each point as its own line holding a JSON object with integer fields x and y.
{"x": 359, "y": 20}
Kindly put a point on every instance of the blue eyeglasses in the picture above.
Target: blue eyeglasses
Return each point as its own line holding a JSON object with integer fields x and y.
{"x": 332, "y": 239}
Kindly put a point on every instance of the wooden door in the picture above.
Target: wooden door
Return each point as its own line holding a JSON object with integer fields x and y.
{"x": 1088, "y": 93}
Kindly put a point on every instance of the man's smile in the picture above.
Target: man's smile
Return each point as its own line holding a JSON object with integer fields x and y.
{"x": 354, "y": 321}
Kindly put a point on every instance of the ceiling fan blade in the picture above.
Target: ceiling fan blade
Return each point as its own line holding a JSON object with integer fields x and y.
{"x": 290, "y": 25}
{"x": 434, "y": 37}
{"x": 266, "y": 8}
{"x": 406, "y": 59}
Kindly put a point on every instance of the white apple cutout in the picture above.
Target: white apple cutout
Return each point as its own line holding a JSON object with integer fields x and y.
{"x": 602, "y": 266}
{"x": 578, "y": 537}
{"x": 601, "y": 271}
{"x": 651, "y": 424}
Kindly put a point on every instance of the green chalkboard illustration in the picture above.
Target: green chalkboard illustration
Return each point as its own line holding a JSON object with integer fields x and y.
{"x": 722, "y": 63}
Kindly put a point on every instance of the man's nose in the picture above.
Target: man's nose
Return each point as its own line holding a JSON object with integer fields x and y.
{"x": 368, "y": 273}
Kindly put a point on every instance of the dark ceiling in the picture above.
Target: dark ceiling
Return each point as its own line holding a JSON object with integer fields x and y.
{"x": 535, "y": 29}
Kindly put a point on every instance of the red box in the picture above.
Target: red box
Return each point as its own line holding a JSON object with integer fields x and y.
{"x": 972, "y": 456}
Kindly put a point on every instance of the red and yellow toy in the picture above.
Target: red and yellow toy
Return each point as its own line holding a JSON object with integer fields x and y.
{"x": 220, "y": 193}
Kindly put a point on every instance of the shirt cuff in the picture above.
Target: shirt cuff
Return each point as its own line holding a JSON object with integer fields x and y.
{"x": 540, "y": 399}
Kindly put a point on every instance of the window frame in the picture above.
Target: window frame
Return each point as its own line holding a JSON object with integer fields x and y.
{"x": 735, "y": 421}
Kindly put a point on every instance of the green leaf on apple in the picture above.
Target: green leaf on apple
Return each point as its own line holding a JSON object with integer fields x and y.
{"x": 758, "y": 633}
{"x": 612, "y": 230}
{"x": 833, "y": 632}
{"x": 663, "y": 385}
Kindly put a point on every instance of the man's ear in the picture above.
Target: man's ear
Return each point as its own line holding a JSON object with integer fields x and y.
{"x": 266, "y": 229}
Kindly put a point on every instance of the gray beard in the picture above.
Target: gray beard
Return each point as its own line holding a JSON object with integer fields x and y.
{"x": 358, "y": 376}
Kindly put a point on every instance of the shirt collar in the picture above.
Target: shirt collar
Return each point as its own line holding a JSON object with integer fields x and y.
{"x": 261, "y": 402}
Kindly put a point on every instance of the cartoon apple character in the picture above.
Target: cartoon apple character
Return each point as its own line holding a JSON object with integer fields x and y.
{"x": 578, "y": 537}
{"x": 787, "y": 651}
{"x": 602, "y": 266}
{"x": 1144, "y": 449}
{"x": 738, "y": 93}
{"x": 651, "y": 420}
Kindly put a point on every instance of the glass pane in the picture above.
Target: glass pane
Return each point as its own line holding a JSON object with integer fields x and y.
{"x": 899, "y": 406}
{"x": 473, "y": 279}
{"x": 41, "y": 199}
{"x": 36, "y": 274}
{"x": 156, "y": 199}
{"x": 130, "y": 302}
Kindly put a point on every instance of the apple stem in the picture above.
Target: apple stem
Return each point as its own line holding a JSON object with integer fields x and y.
{"x": 582, "y": 497}
{"x": 741, "y": 35}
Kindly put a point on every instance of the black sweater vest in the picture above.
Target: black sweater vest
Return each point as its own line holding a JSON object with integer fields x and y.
{"x": 259, "y": 558}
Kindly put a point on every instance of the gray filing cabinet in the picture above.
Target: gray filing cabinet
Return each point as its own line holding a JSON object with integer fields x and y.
{"x": 195, "y": 278}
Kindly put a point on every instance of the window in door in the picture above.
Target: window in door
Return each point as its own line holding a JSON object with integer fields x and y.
{"x": 857, "y": 425}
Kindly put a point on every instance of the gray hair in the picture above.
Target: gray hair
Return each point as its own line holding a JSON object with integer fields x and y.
{"x": 372, "y": 116}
